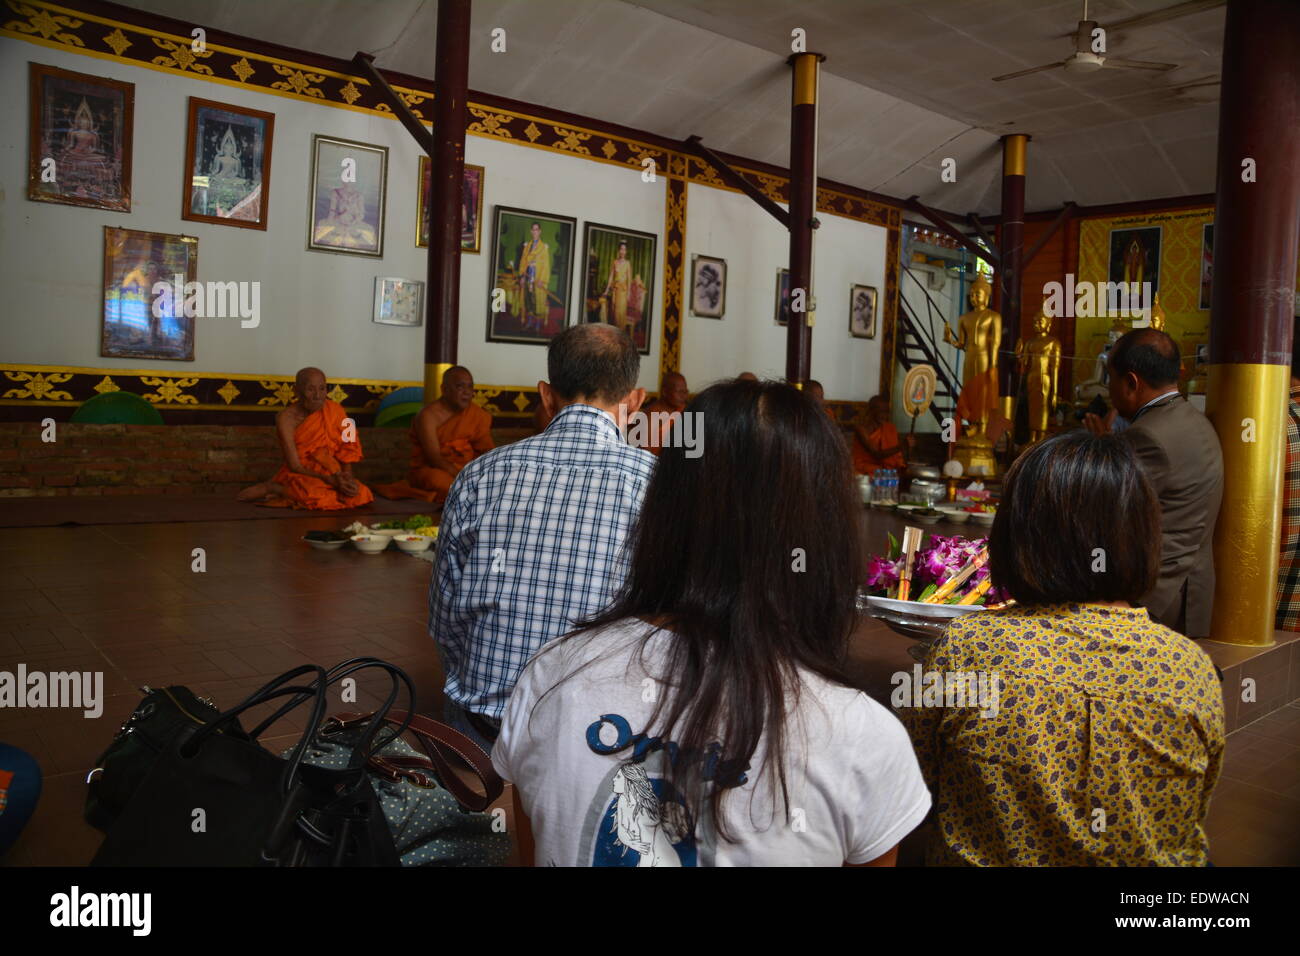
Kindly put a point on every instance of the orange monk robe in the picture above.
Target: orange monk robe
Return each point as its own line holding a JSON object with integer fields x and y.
{"x": 885, "y": 436}
{"x": 320, "y": 444}
{"x": 461, "y": 439}
{"x": 657, "y": 437}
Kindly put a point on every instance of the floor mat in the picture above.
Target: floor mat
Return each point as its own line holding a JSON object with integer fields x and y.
{"x": 143, "y": 509}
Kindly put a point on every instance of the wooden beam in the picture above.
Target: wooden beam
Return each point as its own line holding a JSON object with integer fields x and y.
{"x": 974, "y": 220}
{"x": 364, "y": 62}
{"x": 729, "y": 176}
{"x": 1066, "y": 212}
{"x": 988, "y": 255}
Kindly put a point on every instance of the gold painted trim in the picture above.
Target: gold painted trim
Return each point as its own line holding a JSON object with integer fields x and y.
{"x": 1249, "y": 526}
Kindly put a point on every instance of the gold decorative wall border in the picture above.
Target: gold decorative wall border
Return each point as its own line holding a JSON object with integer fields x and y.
{"x": 80, "y": 29}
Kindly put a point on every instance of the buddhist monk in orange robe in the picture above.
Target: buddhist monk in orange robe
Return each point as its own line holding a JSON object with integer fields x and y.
{"x": 670, "y": 404}
{"x": 446, "y": 436}
{"x": 876, "y": 444}
{"x": 320, "y": 445}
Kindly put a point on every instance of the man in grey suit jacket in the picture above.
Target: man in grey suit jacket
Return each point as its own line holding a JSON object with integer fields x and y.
{"x": 1179, "y": 452}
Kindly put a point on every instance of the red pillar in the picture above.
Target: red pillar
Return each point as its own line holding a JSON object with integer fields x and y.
{"x": 803, "y": 209}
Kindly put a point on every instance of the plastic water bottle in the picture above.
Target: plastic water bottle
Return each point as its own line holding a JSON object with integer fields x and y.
{"x": 893, "y": 486}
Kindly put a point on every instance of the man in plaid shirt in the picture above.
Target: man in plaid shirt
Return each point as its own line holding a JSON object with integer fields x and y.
{"x": 532, "y": 535}
{"x": 1288, "y": 572}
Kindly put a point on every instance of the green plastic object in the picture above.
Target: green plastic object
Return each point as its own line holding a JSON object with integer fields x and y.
{"x": 405, "y": 394}
{"x": 117, "y": 408}
{"x": 398, "y": 416}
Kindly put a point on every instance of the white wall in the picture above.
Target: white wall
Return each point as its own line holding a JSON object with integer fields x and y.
{"x": 731, "y": 226}
{"x": 316, "y": 307}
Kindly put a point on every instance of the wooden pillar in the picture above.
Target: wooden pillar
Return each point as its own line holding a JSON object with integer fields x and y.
{"x": 451, "y": 87}
{"x": 803, "y": 209}
{"x": 1251, "y": 320}
{"x": 1011, "y": 248}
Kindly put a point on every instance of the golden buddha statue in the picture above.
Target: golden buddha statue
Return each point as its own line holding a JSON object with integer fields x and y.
{"x": 1039, "y": 359}
{"x": 1157, "y": 314}
{"x": 979, "y": 335}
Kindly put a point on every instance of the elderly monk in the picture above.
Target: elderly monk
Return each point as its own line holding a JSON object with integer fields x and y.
{"x": 446, "y": 436}
{"x": 746, "y": 377}
{"x": 818, "y": 395}
{"x": 320, "y": 444}
{"x": 670, "y": 404}
{"x": 876, "y": 444}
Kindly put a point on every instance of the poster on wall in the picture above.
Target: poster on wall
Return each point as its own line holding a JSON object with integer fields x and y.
{"x": 349, "y": 184}
{"x": 471, "y": 206}
{"x": 531, "y": 275}
{"x": 708, "y": 287}
{"x": 618, "y": 288}
{"x": 862, "y": 311}
{"x": 1207, "y": 264}
{"x": 1135, "y": 256}
{"x": 227, "y": 164}
{"x": 144, "y": 278}
{"x": 782, "y": 297}
{"x": 399, "y": 301}
{"x": 79, "y": 139}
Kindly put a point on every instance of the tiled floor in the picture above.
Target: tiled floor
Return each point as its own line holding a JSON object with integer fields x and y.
{"x": 122, "y": 599}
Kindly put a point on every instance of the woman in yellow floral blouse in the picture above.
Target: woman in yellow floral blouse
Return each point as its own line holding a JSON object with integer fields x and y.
{"x": 1103, "y": 741}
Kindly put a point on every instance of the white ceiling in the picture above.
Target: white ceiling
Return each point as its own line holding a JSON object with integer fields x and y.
{"x": 905, "y": 84}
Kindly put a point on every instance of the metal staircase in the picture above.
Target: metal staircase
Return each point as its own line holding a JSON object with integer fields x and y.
{"x": 917, "y": 345}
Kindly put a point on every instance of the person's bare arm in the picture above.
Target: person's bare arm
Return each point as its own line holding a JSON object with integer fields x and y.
{"x": 888, "y": 858}
{"x": 426, "y": 433}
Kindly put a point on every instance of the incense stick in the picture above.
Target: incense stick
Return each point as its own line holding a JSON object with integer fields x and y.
{"x": 960, "y": 578}
{"x": 911, "y": 544}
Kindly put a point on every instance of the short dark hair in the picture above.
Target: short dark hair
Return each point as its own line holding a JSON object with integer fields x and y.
{"x": 593, "y": 360}
{"x": 1150, "y": 354}
{"x": 1064, "y": 499}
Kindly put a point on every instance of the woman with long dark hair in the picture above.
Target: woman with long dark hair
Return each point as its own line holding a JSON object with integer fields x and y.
{"x": 1102, "y": 735}
{"x": 706, "y": 717}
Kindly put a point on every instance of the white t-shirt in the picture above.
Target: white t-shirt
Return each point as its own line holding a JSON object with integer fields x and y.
{"x": 590, "y": 779}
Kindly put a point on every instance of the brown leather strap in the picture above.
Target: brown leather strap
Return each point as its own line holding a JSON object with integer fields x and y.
{"x": 439, "y": 741}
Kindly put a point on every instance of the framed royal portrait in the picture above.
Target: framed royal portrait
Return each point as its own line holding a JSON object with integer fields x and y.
{"x": 79, "y": 140}
{"x": 145, "y": 275}
{"x": 862, "y": 311}
{"x": 399, "y": 301}
{"x": 619, "y": 278}
{"x": 1135, "y": 257}
{"x": 471, "y": 206}
{"x": 349, "y": 188}
{"x": 708, "y": 287}
{"x": 531, "y": 276}
{"x": 782, "y": 297}
{"x": 227, "y": 164}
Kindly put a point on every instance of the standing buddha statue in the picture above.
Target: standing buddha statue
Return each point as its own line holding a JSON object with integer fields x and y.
{"x": 1039, "y": 358}
{"x": 979, "y": 335}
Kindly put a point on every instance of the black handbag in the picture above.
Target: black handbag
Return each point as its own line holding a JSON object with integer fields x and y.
{"x": 213, "y": 796}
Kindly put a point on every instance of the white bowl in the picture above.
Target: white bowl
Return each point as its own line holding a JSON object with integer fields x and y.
{"x": 953, "y": 514}
{"x": 982, "y": 517}
{"x": 370, "y": 543}
{"x": 387, "y": 532}
{"x": 414, "y": 543}
{"x": 326, "y": 545}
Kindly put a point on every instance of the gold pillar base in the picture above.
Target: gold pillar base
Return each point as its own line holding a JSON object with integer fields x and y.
{"x": 975, "y": 452}
{"x": 1247, "y": 535}
{"x": 433, "y": 373}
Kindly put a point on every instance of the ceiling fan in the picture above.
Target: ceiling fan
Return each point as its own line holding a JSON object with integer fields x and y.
{"x": 1089, "y": 37}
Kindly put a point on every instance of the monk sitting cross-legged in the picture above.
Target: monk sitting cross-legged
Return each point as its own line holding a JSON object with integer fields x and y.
{"x": 320, "y": 444}
{"x": 877, "y": 445}
{"x": 445, "y": 437}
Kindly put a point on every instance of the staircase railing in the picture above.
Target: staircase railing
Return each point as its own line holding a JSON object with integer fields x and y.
{"x": 925, "y": 340}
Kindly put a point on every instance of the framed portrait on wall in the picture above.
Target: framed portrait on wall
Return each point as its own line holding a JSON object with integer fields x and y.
{"x": 399, "y": 301}
{"x": 1135, "y": 256}
{"x": 471, "y": 206}
{"x": 79, "y": 151}
{"x": 349, "y": 186}
{"x": 144, "y": 278}
{"x": 862, "y": 311}
{"x": 1207, "y": 265}
{"x": 619, "y": 279}
{"x": 531, "y": 275}
{"x": 708, "y": 287}
{"x": 782, "y": 296}
{"x": 227, "y": 164}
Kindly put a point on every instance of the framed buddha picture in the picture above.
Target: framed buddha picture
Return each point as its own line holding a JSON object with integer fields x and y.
{"x": 144, "y": 295}
{"x": 349, "y": 189}
{"x": 862, "y": 311}
{"x": 79, "y": 151}
{"x": 471, "y": 206}
{"x": 227, "y": 165}
{"x": 708, "y": 287}
{"x": 618, "y": 281}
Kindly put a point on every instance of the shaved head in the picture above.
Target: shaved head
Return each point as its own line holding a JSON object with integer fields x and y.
{"x": 746, "y": 377}
{"x": 673, "y": 391}
{"x": 457, "y": 388}
{"x": 306, "y": 374}
{"x": 309, "y": 386}
{"x": 814, "y": 388}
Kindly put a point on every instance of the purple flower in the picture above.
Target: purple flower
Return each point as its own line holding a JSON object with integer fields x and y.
{"x": 882, "y": 574}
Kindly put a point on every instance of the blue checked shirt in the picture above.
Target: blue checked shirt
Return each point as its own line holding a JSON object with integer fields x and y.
{"x": 531, "y": 541}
